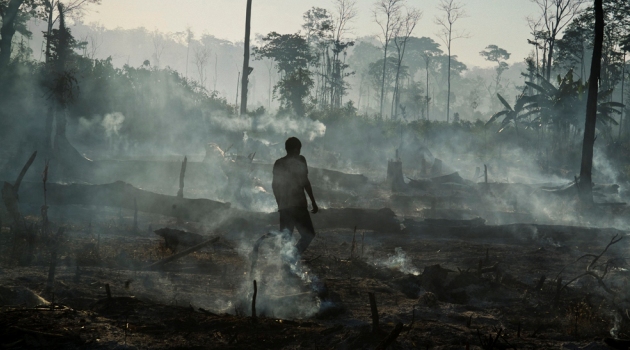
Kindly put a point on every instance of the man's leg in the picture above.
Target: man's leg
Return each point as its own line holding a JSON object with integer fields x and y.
{"x": 287, "y": 220}
{"x": 305, "y": 227}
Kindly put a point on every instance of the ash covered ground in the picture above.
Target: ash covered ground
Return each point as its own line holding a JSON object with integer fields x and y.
{"x": 451, "y": 264}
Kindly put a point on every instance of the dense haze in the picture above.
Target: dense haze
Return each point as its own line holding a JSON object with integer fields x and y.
{"x": 407, "y": 130}
{"x": 149, "y": 93}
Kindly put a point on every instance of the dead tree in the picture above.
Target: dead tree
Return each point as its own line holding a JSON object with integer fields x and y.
{"x": 182, "y": 174}
{"x": 453, "y": 11}
{"x": 254, "y": 300}
{"x": 10, "y": 193}
{"x": 374, "y": 311}
{"x": 247, "y": 70}
{"x": 395, "y": 174}
{"x": 586, "y": 181}
{"x": 390, "y": 11}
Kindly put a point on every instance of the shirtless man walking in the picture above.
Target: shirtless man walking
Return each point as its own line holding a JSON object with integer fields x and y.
{"x": 290, "y": 180}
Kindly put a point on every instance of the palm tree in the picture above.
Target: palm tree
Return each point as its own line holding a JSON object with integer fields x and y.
{"x": 514, "y": 115}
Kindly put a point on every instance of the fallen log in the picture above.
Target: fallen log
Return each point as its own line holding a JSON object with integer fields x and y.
{"x": 182, "y": 254}
{"x": 173, "y": 238}
{"x": 513, "y": 232}
{"x": 122, "y": 195}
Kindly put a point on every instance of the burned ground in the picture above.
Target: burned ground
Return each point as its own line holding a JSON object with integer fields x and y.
{"x": 486, "y": 290}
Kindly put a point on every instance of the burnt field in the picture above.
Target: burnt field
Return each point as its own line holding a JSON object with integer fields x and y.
{"x": 439, "y": 262}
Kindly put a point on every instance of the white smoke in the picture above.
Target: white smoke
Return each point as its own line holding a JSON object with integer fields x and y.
{"x": 399, "y": 261}
{"x": 112, "y": 123}
{"x": 307, "y": 127}
{"x": 286, "y": 288}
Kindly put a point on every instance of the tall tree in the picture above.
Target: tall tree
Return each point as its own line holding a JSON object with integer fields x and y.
{"x": 292, "y": 55}
{"x": 424, "y": 49}
{"x": 202, "y": 56}
{"x": 403, "y": 32}
{"x": 345, "y": 12}
{"x": 318, "y": 25}
{"x": 453, "y": 11}
{"x": 387, "y": 16}
{"x": 247, "y": 70}
{"x": 70, "y": 8}
{"x": 189, "y": 37}
{"x": 493, "y": 53}
{"x": 67, "y": 8}
{"x": 61, "y": 67}
{"x": 586, "y": 183}
{"x": 554, "y": 15}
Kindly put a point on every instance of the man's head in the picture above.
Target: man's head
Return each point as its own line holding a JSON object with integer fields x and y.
{"x": 293, "y": 146}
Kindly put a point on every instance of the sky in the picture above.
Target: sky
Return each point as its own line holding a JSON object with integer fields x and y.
{"x": 498, "y": 22}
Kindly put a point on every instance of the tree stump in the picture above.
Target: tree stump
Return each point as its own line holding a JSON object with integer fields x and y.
{"x": 395, "y": 175}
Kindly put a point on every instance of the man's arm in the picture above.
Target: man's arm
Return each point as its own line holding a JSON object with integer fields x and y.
{"x": 308, "y": 188}
{"x": 309, "y": 191}
{"x": 275, "y": 183}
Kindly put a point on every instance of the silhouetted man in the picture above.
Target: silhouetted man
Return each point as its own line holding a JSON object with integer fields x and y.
{"x": 290, "y": 180}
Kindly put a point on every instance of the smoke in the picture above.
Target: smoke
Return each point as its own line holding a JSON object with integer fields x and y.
{"x": 399, "y": 261}
{"x": 311, "y": 129}
{"x": 286, "y": 288}
{"x": 614, "y": 332}
{"x": 112, "y": 123}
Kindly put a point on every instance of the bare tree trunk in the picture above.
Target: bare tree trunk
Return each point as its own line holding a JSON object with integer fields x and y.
{"x": 50, "y": 7}
{"x": 7, "y": 31}
{"x": 246, "y": 68}
{"x": 549, "y": 58}
{"x": 623, "y": 82}
{"x": 427, "y": 92}
{"x": 50, "y": 117}
{"x": 586, "y": 183}
{"x": 383, "y": 77}
{"x": 448, "y": 92}
{"x": 50, "y": 114}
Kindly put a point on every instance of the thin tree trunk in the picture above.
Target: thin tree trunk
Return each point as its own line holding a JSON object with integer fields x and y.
{"x": 586, "y": 183}
{"x": 51, "y": 9}
{"x": 246, "y": 69}
{"x": 623, "y": 82}
{"x": 237, "y": 82}
{"x": 50, "y": 117}
{"x": 383, "y": 76}
{"x": 448, "y": 94}
{"x": 549, "y": 58}
{"x": 428, "y": 90}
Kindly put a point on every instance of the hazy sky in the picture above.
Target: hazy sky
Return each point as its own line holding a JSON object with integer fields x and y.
{"x": 500, "y": 22}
